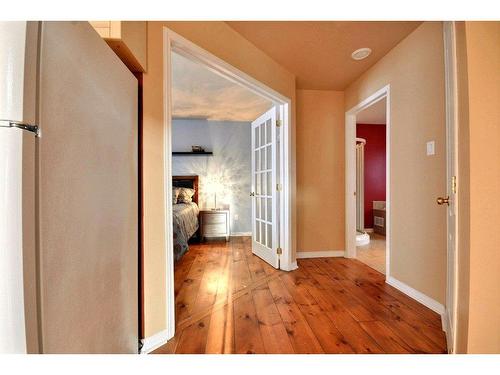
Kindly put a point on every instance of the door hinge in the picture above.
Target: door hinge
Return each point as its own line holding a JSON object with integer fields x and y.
{"x": 278, "y": 123}
{"x": 35, "y": 129}
{"x": 278, "y": 187}
{"x": 454, "y": 184}
{"x": 279, "y": 251}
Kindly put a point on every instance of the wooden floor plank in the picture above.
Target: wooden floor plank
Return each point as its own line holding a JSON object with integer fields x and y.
{"x": 256, "y": 267}
{"x": 230, "y": 301}
{"x": 270, "y": 324}
{"x": 220, "y": 336}
{"x": 194, "y": 338}
{"x": 329, "y": 337}
{"x": 335, "y": 290}
{"x": 350, "y": 329}
{"x": 247, "y": 338}
{"x": 418, "y": 342}
{"x": 383, "y": 303}
{"x": 189, "y": 290}
{"x": 361, "y": 273}
{"x": 241, "y": 275}
{"x": 387, "y": 340}
{"x": 205, "y": 297}
{"x": 347, "y": 286}
{"x": 301, "y": 336}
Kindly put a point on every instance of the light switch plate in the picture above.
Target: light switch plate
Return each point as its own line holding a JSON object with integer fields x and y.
{"x": 431, "y": 150}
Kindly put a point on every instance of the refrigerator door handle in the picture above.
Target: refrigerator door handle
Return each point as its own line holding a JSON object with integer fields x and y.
{"x": 23, "y": 126}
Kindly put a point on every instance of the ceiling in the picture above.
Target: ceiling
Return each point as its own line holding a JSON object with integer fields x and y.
{"x": 200, "y": 93}
{"x": 319, "y": 53}
{"x": 374, "y": 114}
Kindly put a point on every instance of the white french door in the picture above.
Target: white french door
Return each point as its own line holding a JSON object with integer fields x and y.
{"x": 265, "y": 198}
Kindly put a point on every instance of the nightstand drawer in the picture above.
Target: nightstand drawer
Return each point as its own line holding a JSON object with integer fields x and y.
{"x": 214, "y": 219}
{"x": 214, "y": 223}
{"x": 220, "y": 229}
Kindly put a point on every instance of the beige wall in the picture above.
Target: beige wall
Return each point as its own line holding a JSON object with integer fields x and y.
{"x": 483, "y": 66}
{"x": 415, "y": 71}
{"x": 320, "y": 170}
{"x": 219, "y": 39}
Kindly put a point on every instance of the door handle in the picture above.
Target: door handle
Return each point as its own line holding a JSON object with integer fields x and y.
{"x": 441, "y": 200}
{"x": 252, "y": 194}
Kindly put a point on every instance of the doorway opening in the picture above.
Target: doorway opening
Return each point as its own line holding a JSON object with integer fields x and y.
{"x": 270, "y": 151}
{"x": 368, "y": 182}
{"x": 371, "y": 185}
{"x": 222, "y": 203}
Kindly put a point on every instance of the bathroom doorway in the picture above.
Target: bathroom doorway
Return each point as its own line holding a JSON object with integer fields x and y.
{"x": 371, "y": 186}
{"x": 367, "y": 187}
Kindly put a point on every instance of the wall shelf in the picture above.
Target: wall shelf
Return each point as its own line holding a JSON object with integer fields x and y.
{"x": 190, "y": 153}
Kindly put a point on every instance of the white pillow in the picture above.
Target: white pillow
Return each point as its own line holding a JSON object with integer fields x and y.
{"x": 185, "y": 195}
{"x": 175, "y": 194}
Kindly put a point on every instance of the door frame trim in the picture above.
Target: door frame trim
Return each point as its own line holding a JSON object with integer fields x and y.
{"x": 174, "y": 42}
{"x": 350, "y": 173}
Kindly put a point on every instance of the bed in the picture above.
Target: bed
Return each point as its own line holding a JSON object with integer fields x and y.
{"x": 185, "y": 216}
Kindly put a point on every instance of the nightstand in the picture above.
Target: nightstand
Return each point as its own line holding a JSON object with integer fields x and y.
{"x": 214, "y": 223}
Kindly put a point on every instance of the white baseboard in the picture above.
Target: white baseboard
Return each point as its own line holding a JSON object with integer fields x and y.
{"x": 154, "y": 342}
{"x": 320, "y": 254}
{"x": 291, "y": 267}
{"x": 241, "y": 234}
{"x": 369, "y": 230}
{"x": 416, "y": 295}
{"x": 446, "y": 324}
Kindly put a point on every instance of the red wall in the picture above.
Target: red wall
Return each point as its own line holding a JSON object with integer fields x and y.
{"x": 374, "y": 166}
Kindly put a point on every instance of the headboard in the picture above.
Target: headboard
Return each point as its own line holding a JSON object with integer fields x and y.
{"x": 188, "y": 182}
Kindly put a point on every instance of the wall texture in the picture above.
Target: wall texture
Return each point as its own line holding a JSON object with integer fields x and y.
{"x": 230, "y": 164}
{"x": 374, "y": 166}
{"x": 415, "y": 71}
{"x": 221, "y": 40}
{"x": 320, "y": 170}
{"x": 483, "y": 66}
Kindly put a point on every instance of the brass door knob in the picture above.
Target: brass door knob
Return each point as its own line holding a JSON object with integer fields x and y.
{"x": 442, "y": 200}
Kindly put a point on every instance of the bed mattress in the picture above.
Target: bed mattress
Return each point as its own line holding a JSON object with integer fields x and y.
{"x": 185, "y": 224}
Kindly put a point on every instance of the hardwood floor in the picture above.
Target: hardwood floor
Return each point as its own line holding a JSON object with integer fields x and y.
{"x": 230, "y": 301}
{"x": 373, "y": 254}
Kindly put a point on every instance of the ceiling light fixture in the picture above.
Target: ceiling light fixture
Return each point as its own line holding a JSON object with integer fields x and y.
{"x": 361, "y": 53}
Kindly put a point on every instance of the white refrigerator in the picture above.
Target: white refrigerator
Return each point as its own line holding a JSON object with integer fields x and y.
{"x": 68, "y": 192}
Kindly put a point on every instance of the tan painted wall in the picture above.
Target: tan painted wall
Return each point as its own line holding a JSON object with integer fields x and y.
{"x": 483, "y": 65}
{"x": 219, "y": 39}
{"x": 320, "y": 170}
{"x": 415, "y": 71}
{"x": 133, "y": 34}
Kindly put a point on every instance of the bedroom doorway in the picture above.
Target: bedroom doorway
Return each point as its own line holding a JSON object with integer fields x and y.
{"x": 368, "y": 181}
{"x": 280, "y": 224}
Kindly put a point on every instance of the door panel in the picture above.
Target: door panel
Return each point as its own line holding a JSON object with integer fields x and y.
{"x": 264, "y": 182}
{"x": 451, "y": 186}
{"x": 88, "y": 194}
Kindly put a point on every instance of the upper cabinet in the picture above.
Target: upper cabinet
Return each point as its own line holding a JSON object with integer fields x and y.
{"x": 128, "y": 39}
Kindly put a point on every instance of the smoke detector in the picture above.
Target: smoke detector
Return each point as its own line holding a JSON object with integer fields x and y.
{"x": 361, "y": 53}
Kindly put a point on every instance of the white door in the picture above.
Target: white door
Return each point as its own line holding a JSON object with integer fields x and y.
{"x": 88, "y": 203}
{"x": 265, "y": 241}
{"x": 451, "y": 185}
